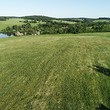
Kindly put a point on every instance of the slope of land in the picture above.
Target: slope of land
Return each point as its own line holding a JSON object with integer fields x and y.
{"x": 55, "y": 72}
{"x": 10, "y": 22}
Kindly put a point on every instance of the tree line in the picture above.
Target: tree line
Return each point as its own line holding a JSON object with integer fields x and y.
{"x": 53, "y": 27}
{"x": 3, "y": 18}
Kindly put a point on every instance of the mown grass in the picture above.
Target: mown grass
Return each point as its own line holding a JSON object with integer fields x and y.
{"x": 55, "y": 72}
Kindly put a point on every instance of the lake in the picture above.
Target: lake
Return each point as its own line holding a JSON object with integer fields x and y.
{"x": 3, "y": 35}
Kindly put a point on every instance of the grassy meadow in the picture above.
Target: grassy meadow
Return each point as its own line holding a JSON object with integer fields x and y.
{"x": 55, "y": 72}
{"x": 63, "y": 21}
{"x": 10, "y": 22}
{"x": 16, "y": 21}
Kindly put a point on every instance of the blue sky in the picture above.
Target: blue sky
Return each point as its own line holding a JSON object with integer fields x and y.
{"x": 56, "y": 8}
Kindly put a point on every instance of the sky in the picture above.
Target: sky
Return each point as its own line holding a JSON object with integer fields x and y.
{"x": 56, "y": 8}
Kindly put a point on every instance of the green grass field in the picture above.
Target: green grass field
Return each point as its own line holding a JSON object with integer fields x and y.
{"x": 102, "y": 21}
{"x": 63, "y": 21}
{"x": 15, "y": 21}
{"x": 10, "y": 22}
{"x": 55, "y": 72}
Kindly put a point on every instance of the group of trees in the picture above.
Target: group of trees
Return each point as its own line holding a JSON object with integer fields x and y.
{"x": 60, "y": 28}
{"x": 38, "y": 18}
{"x": 49, "y": 27}
{"x": 25, "y": 29}
{"x": 3, "y": 18}
{"x": 53, "y": 27}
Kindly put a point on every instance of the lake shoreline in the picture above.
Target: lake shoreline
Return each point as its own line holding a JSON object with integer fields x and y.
{"x": 3, "y": 35}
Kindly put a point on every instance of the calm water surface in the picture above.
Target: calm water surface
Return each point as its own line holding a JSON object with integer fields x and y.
{"x": 3, "y": 35}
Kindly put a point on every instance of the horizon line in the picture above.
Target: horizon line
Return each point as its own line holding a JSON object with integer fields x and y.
{"x": 50, "y": 16}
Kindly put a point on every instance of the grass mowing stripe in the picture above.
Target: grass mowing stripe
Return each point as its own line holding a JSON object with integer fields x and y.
{"x": 54, "y": 72}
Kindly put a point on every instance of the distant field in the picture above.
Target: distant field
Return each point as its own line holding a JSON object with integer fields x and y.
{"x": 15, "y": 21}
{"x": 55, "y": 72}
{"x": 101, "y": 21}
{"x": 37, "y": 23}
{"x": 10, "y": 22}
{"x": 63, "y": 21}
